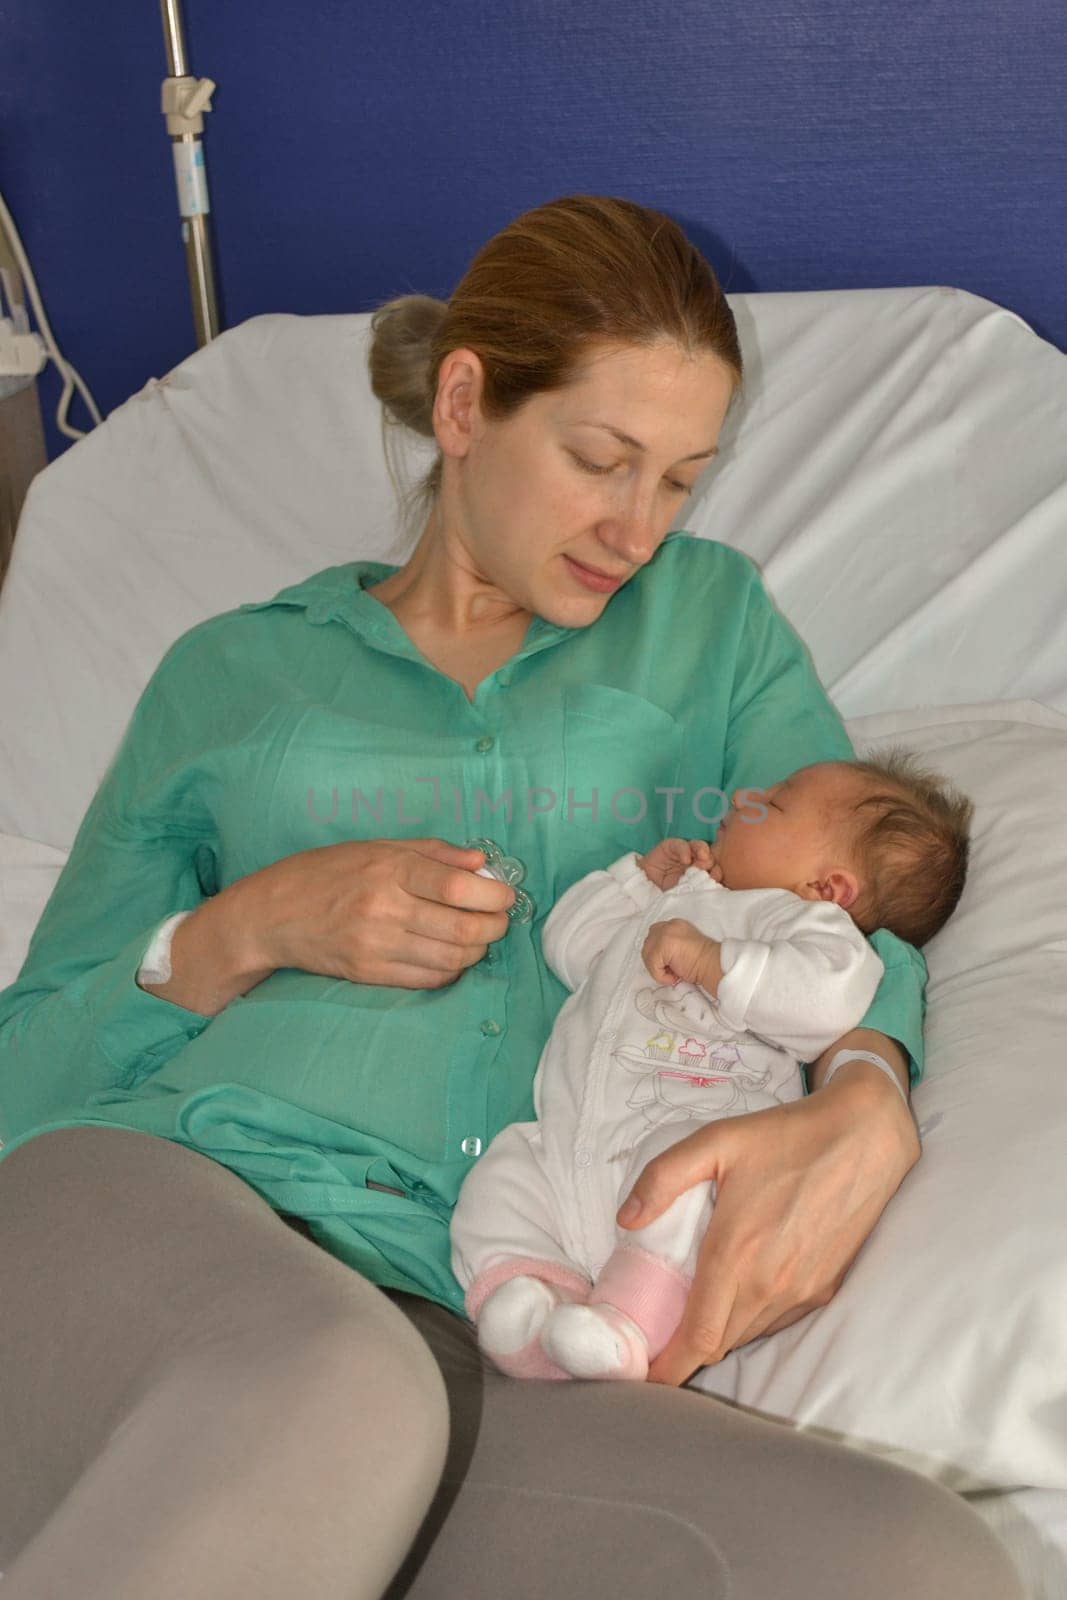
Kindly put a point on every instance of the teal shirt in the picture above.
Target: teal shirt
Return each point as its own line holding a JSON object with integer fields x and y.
{"x": 312, "y": 718}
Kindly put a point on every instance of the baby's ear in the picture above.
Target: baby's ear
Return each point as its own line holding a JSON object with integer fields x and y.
{"x": 843, "y": 888}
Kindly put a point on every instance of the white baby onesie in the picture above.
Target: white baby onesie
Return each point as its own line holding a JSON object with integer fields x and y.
{"x": 632, "y": 1066}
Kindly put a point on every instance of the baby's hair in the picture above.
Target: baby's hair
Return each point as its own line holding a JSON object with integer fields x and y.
{"x": 910, "y": 833}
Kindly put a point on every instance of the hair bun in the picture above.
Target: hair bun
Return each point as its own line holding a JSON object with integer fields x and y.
{"x": 403, "y": 330}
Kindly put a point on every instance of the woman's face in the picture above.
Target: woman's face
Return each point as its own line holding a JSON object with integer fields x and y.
{"x": 533, "y": 503}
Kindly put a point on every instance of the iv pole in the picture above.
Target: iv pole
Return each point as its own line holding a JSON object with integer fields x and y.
{"x": 184, "y": 99}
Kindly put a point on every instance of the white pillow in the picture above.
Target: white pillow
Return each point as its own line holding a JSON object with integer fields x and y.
{"x": 946, "y": 1346}
{"x": 865, "y": 472}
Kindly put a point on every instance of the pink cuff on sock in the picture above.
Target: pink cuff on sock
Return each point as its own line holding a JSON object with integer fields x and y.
{"x": 573, "y": 1284}
{"x": 529, "y": 1362}
{"x": 648, "y": 1289}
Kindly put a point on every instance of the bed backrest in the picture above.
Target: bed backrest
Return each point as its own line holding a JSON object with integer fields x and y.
{"x": 896, "y": 467}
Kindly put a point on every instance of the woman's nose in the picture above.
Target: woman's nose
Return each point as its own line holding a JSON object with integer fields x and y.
{"x": 636, "y": 537}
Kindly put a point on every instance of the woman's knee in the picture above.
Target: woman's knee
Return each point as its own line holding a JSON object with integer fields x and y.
{"x": 391, "y": 1373}
{"x": 658, "y": 1478}
{"x": 357, "y": 1380}
{"x": 911, "y": 1536}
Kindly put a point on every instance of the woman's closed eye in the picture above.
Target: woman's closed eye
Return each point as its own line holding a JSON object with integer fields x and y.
{"x": 591, "y": 466}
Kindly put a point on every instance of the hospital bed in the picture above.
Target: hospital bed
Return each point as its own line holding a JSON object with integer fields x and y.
{"x": 897, "y": 468}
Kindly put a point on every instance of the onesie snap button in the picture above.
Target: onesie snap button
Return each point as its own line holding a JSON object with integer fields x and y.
{"x": 486, "y": 742}
{"x": 471, "y": 1146}
{"x": 491, "y": 1027}
{"x": 582, "y": 1159}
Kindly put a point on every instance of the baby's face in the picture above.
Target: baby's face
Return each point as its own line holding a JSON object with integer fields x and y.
{"x": 786, "y": 837}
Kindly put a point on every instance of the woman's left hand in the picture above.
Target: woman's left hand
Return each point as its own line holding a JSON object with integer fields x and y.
{"x": 799, "y": 1187}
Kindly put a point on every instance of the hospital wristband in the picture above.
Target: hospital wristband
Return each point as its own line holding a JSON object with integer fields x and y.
{"x": 876, "y": 1061}
{"x": 155, "y": 964}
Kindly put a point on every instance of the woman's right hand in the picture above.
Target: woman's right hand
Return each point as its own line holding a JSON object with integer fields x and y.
{"x": 404, "y": 912}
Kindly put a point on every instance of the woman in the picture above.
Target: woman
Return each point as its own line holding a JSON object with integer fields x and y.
{"x": 196, "y": 1399}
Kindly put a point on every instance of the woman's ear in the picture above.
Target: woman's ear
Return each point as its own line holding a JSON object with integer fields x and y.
{"x": 457, "y": 415}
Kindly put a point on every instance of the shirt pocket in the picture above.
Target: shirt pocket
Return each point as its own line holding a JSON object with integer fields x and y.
{"x": 316, "y": 775}
{"x": 621, "y": 758}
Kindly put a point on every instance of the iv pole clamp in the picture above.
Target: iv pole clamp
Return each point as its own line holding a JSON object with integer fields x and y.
{"x": 183, "y": 102}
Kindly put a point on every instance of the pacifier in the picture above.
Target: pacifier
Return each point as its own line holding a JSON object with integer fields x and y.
{"x": 505, "y": 869}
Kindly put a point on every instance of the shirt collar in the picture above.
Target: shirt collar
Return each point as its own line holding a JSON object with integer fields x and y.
{"x": 340, "y": 594}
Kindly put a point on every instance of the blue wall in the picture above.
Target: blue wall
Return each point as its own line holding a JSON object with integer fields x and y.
{"x": 361, "y": 150}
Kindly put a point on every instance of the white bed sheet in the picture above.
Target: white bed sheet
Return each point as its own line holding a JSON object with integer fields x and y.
{"x": 870, "y": 417}
{"x": 1032, "y": 1524}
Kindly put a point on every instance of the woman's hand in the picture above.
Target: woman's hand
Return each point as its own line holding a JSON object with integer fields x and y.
{"x": 407, "y": 912}
{"x": 666, "y": 861}
{"x": 799, "y": 1187}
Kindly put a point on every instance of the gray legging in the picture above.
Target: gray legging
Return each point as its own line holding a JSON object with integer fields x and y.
{"x": 199, "y": 1403}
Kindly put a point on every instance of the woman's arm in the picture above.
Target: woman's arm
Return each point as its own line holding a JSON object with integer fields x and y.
{"x": 799, "y": 1189}
{"x": 864, "y": 1039}
{"x": 780, "y": 719}
{"x": 800, "y": 1186}
{"x": 407, "y": 913}
{"x": 75, "y": 1021}
{"x": 212, "y": 957}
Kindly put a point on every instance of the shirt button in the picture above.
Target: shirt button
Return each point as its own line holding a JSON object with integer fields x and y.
{"x": 582, "y": 1158}
{"x": 491, "y": 1027}
{"x": 486, "y": 742}
{"x": 471, "y": 1146}
{"x": 503, "y": 678}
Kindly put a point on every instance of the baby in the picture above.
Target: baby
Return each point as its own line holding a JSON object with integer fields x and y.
{"x": 702, "y": 977}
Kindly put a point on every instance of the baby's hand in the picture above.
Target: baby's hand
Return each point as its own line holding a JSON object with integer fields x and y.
{"x": 676, "y": 950}
{"x": 704, "y": 856}
{"x": 666, "y": 861}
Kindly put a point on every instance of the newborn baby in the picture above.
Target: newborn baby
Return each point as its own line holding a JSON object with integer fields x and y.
{"x": 702, "y": 977}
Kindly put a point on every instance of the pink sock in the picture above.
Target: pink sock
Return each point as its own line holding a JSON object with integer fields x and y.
{"x": 634, "y": 1362}
{"x": 648, "y": 1289}
{"x": 531, "y": 1361}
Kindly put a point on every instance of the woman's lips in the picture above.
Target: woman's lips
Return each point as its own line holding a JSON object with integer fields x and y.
{"x": 591, "y": 579}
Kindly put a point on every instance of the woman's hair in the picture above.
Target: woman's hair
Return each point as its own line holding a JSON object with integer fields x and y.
{"x": 549, "y": 286}
{"x": 910, "y": 837}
